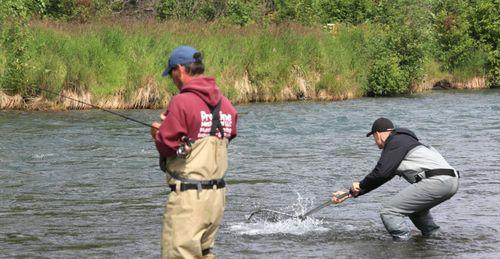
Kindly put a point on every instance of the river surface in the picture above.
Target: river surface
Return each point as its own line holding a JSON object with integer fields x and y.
{"x": 85, "y": 184}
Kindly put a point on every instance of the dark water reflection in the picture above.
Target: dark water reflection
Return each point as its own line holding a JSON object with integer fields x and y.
{"x": 85, "y": 183}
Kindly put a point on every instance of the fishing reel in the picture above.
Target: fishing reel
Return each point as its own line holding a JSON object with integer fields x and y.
{"x": 185, "y": 147}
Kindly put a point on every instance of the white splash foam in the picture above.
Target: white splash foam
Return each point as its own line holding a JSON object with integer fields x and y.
{"x": 293, "y": 226}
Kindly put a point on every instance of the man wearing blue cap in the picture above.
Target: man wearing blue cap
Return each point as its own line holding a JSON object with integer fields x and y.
{"x": 192, "y": 140}
{"x": 432, "y": 180}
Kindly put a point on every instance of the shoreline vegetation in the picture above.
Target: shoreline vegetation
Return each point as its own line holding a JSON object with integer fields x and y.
{"x": 116, "y": 62}
{"x": 148, "y": 98}
{"x": 40, "y": 103}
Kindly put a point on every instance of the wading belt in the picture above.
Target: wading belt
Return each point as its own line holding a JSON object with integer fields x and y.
{"x": 436, "y": 172}
{"x": 189, "y": 184}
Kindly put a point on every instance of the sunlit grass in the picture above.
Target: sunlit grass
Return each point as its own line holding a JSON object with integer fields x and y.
{"x": 119, "y": 58}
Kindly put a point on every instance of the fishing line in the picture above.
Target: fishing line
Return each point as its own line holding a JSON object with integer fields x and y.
{"x": 97, "y": 107}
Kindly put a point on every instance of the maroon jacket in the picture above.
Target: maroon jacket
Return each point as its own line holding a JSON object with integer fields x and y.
{"x": 188, "y": 114}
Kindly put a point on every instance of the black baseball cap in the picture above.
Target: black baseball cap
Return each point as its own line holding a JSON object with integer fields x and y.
{"x": 380, "y": 125}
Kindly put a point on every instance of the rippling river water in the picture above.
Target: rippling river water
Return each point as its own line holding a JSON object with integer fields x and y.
{"x": 85, "y": 184}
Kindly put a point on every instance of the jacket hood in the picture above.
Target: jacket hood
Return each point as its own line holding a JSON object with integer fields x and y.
{"x": 405, "y": 131}
{"x": 205, "y": 88}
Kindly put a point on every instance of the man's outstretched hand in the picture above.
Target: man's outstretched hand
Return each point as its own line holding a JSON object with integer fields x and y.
{"x": 355, "y": 189}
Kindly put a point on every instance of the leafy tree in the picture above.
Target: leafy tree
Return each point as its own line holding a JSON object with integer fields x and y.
{"x": 398, "y": 48}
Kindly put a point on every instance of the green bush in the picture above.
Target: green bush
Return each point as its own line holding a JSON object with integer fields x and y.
{"x": 408, "y": 45}
{"x": 303, "y": 11}
{"x": 174, "y": 10}
{"x": 348, "y": 11}
{"x": 398, "y": 48}
{"x": 452, "y": 33}
{"x": 240, "y": 12}
{"x": 386, "y": 77}
{"x": 14, "y": 40}
{"x": 70, "y": 10}
{"x": 190, "y": 10}
{"x": 234, "y": 11}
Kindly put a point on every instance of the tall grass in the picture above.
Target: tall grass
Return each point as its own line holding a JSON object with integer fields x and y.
{"x": 120, "y": 59}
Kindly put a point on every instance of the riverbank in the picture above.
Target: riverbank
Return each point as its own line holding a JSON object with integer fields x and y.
{"x": 146, "y": 98}
{"x": 117, "y": 64}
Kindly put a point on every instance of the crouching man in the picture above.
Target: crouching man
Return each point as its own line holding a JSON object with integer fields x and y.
{"x": 432, "y": 180}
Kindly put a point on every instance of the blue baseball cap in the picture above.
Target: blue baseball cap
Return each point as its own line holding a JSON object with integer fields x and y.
{"x": 180, "y": 56}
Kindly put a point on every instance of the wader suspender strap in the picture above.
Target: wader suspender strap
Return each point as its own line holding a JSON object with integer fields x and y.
{"x": 215, "y": 110}
{"x": 216, "y": 124}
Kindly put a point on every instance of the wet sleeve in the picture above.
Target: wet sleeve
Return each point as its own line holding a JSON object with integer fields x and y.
{"x": 171, "y": 130}
{"x": 385, "y": 169}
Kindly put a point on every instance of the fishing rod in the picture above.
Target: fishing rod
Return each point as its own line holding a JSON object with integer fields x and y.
{"x": 106, "y": 110}
{"x": 323, "y": 205}
{"x": 97, "y": 107}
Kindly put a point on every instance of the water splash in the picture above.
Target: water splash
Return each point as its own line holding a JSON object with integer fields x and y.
{"x": 292, "y": 226}
{"x": 302, "y": 205}
{"x": 272, "y": 223}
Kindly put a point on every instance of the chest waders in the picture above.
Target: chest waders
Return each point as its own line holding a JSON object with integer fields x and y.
{"x": 423, "y": 162}
{"x": 192, "y": 184}
{"x": 433, "y": 181}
